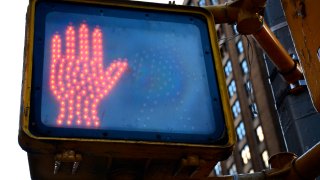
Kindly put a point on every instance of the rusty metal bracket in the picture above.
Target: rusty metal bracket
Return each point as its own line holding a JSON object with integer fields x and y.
{"x": 65, "y": 157}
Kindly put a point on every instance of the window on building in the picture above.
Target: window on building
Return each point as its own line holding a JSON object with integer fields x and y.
{"x": 244, "y": 67}
{"x": 228, "y": 68}
{"x": 218, "y": 169}
{"x": 236, "y": 109}
{"x": 251, "y": 171}
{"x": 265, "y": 158}
{"x": 248, "y": 87}
{"x": 232, "y": 89}
{"x": 245, "y": 154}
{"x": 260, "y": 134}
{"x": 240, "y": 47}
{"x": 234, "y": 27}
{"x": 214, "y": 2}
{"x": 254, "y": 110}
{"x": 241, "y": 132}
{"x": 233, "y": 169}
{"x": 202, "y": 3}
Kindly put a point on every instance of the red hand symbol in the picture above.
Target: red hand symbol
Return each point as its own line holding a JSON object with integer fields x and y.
{"x": 80, "y": 83}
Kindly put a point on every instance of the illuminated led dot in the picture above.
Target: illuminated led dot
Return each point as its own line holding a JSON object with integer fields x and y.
{"x": 63, "y": 110}
{"x": 70, "y": 116}
{"x": 78, "y": 122}
{"x": 96, "y": 123}
{"x": 69, "y": 122}
{"x": 88, "y": 123}
{"x": 78, "y": 113}
{"x": 59, "y": 122}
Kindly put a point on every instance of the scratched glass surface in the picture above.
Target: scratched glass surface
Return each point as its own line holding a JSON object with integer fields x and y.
{"x": 124, "y": 74}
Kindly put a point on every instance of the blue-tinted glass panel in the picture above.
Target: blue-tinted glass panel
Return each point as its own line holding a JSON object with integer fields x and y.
{"x": 254, "y": 110}
{"x": 240, "y": 47}
{"x": 236, "y": 110}
{"x": 241, "y": 132}
{"x": 202, "y": 3}
{"x": 232, "y": 89}
{"x": 244, "y": 66}
{"x": 228, "y": 68}
{"x": 124, "y": 74}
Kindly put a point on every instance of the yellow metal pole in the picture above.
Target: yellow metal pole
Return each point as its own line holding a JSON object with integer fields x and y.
{"x": 248, "y": 16}
{"x": 290, "y": 70}
{"x": 307, "y": 166}
{"x": 227, "y": 13}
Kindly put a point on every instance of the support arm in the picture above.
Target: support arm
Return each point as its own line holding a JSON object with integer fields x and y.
{"x": 247, "y": 14}
{"x": 290, "y": 70}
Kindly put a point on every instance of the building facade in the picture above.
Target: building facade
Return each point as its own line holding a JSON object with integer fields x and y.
{"x": 251, "y": 101}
